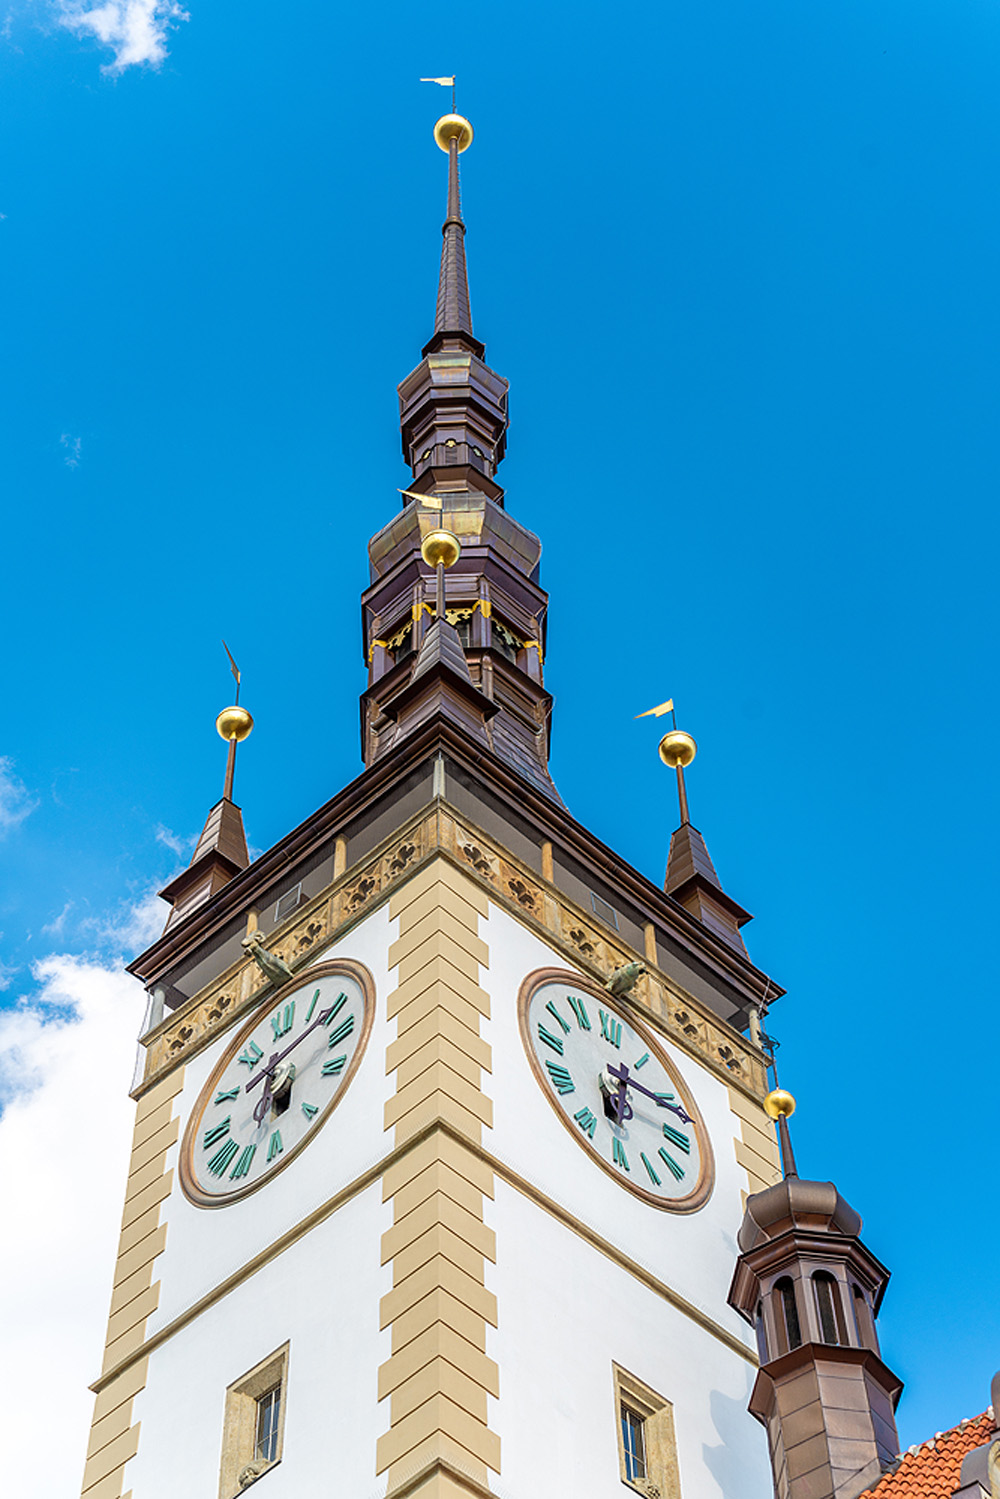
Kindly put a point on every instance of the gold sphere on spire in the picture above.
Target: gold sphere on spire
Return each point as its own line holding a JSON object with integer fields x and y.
{"x": 677, "y": 749}
{"x": 234, "y": 723}
{"x": 440, "y": 546}
{"x": 779, "y": 1105}
{"x": 453, "y": 127}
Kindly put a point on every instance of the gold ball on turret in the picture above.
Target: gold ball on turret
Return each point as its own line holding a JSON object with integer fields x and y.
{"x": 453, "y": 127}
{"x": 234, "y": 723}
{"x": 440, "y": 547}
{"x": 779, "y": 1105}
{"x": 677, "y": 749}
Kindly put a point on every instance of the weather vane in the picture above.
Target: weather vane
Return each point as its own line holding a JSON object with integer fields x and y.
{"x": 234, "y": 725}
{"x": 677, "y": 749}
{"x": 445, "y": 83}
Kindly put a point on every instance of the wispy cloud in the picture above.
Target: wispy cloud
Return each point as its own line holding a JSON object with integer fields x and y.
{"x": 176, "y": 844}
{"x": 71, "y": 457}
{"x": 57, "y": 925}
{"x": 66, "y": 1057}
{"x": 136, "y": 30}
{"x": 16, "y": 802}
{"x": 131, "y": 928}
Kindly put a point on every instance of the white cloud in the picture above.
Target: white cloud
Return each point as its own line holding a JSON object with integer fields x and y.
{"x": 176, "y": 844}
{"x": 16, "y": 803}
{"x": 57, "y": 925}
{"x": 136, "y": 30}
{"x": 72, "y": 446}
{"x": 131, "y": 928}
{"x": 66, "y": 1058}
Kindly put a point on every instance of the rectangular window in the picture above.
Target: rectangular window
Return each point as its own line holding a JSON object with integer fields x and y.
{"x": 647, "y": 1448}
{"x": 268, "y": 1411}
{"x": 635, "y": 1447}
{"x": 607, "y": 913}
{"x": 254, "y": 1422}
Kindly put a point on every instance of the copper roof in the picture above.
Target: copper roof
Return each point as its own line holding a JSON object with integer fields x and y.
{"x": 932, "y": 1469}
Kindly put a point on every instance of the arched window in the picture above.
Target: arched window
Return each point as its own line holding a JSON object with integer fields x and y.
{"x": 762, "y": 1353}
{"x": 829, "y": 1308}
{"x": 863, "y": 1319}
{"x": 786, "y": 1315}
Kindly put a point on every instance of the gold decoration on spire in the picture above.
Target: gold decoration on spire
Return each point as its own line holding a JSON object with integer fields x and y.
{"x": 450, "y": 128}
{"x": 779, "y": 1104}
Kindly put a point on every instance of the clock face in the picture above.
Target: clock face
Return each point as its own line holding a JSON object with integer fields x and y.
{"x": 278, "y": 1082}
{"x": 615, "y": 1090}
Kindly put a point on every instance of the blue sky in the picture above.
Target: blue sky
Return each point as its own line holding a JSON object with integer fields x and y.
{"x": 739, "y": 265}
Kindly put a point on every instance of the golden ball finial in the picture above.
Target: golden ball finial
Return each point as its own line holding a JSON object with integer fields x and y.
{"x": 779, "y": 1104}
{"x": 440, "y": 546}
{"x": 234, "y": 723}
{"x": 677, "y": 749}
{"x": 453, "y": 127}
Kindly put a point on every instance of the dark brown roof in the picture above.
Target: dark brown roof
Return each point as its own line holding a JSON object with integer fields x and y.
{"x": 932, "y": 1469}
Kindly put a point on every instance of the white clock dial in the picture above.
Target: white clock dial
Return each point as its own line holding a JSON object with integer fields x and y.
{"x": 616, "y": 1090}
{"x": 277, "y": 1083}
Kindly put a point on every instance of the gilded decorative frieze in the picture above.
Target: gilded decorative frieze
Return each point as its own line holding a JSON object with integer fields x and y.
{"x": 533, "y": 899}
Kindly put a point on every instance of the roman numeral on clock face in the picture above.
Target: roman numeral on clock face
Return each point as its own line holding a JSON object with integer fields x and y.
{"x": 251, "y": 1055}
{"x": 555, "y": 1042}
{"x": 611, "y": 1029}
{"x": 580, "y": 1011}
{"x": 242, "y": 1167}
{"x": 226, "y": 1097}
{"x": 561, "y": 1078}
{"x": 282, "y": 1020}
{"x": 217, "y": 1132}
{"x": 618, "y": 1155}
{"x": 341, "y": 1031}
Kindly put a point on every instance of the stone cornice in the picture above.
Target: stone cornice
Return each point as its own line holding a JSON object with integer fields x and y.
{"x": 439, "y": 830}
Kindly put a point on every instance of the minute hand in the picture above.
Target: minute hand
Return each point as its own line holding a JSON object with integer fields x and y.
{"x": 622, "y": 1075}
{"x": 279, "y": 1056}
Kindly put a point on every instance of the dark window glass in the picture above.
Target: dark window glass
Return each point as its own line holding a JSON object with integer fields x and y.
{"x": 761, "y": 1334}
{"x": 634, "y": 1444}
{"x": 828, "y": 1307}
{"x": 268, "y": 1410}
{"x": 787, "y": 1313}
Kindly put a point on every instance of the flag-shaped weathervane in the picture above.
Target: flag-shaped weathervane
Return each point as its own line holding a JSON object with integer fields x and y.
{"x": 233, "y": 668}
{"x": 657, "y": 712}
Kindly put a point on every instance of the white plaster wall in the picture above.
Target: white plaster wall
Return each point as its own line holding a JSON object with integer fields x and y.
{"x": 205, "y": 1245}
{"x": 565, "y": 1313}
{"x": 323, "y": 1295}
{"x": 695, "y": 1253}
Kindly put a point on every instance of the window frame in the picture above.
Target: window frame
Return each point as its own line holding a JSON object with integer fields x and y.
{"x": 656, "y": 1417}
{"x": 241, "y": 1420}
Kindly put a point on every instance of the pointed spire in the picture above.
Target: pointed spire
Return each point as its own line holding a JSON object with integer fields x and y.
{"x": 221, "y": 851}
{"x": 453, "y": 315}
{"x": 691, "y": 878}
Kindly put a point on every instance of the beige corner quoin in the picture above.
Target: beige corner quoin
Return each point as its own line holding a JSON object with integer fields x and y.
{"x": 113, "y": 1438}
{"x": 439, "y": 1444}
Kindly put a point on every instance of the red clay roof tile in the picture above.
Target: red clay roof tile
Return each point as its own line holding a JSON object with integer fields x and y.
{"x": 931, "y": 1471}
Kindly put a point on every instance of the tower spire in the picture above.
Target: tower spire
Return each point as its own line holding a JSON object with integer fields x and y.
{"x": 221, "y": 851}
{"x": 691, "y": 877}
{"x": 453, "y": 316}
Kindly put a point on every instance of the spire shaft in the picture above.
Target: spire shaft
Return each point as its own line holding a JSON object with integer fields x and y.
{"x": 454, "y": 314}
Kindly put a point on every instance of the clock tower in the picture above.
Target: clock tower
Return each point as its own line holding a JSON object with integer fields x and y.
{"x": 446, "y": 1117}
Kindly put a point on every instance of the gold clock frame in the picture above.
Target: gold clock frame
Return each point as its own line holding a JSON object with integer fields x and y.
{"x": 702, "y": 1190}
{"x": 189, "y": 1182}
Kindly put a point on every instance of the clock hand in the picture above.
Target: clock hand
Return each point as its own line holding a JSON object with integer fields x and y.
{"x": 279, "y": 1056}
{"x": 264, "y": 1102}
{"x": 622, "y": 1077}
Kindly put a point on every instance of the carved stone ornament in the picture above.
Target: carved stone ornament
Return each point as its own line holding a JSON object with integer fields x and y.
{"x": 271, "y": 965}
{"x": 625, "y": 978}
{"x": 250, "y": 1474}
